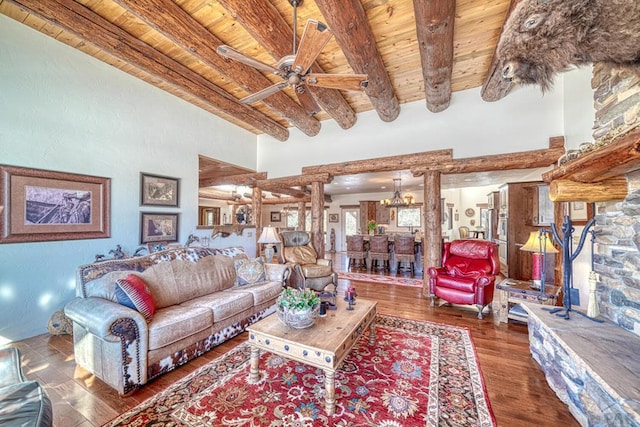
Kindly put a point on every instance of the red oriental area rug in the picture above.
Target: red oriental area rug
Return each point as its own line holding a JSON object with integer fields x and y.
{"x": 417, "y": 374}
{"x": 374, "y": 278}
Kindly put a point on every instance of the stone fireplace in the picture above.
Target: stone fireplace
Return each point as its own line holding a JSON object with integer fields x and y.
{"x": 595, "y": 367}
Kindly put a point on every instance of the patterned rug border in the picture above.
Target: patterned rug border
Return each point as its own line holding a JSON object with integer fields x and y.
{"x": 374, "y": 278}
{"x": 238, "y": 359}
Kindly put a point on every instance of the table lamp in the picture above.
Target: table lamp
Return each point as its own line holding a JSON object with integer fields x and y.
{"x": 268, "y": 237}
{"x": 540, "y": 244}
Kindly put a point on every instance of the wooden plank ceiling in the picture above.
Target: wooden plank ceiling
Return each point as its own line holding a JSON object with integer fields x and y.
{"x": 172, "y": 45}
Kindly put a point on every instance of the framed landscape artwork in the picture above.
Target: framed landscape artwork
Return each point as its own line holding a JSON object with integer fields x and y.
{"x": 158, "y": 227}
{"x": 156, "y": 190}
{"x": 580, "y": 212}
{"x": 39, "y": 205}
{"x": 276, "y": 217}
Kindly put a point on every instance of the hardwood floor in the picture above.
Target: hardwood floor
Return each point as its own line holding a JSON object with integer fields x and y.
{"x": 516, "y": 386}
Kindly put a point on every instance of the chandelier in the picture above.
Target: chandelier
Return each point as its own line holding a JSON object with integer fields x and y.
{"x": 397, "y": 199}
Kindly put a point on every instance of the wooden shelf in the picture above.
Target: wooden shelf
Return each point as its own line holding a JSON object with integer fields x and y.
{"x": 613, "y": 160}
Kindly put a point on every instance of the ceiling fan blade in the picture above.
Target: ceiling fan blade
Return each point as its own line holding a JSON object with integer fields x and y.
{"x": 262, "y": 94}
{"x": 314, "y": 38}
{"x": 307, "y": 100}
{"x": 338, "y": 81}
{"x": 231, "y": 53}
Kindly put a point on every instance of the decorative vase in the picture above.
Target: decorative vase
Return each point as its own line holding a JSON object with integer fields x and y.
{"x": 372, "y": 232}
{"x": 298, "y": 319}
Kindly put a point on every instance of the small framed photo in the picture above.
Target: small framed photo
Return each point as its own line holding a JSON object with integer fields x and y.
{"x": 158, "y": 227}
{"x": 156, "y": 190}
{"x": 276, "y": 217}
{"x": 580, "y": 212}
{"x": 39, "y": 205}
{"x": 334, "y": 217}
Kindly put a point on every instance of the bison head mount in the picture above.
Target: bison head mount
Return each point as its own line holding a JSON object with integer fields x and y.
{"x": 544, "y": 37}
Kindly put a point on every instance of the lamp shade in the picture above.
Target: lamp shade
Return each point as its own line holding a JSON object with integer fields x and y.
{"x": 539, "y": 242}
{"x": 268, "y": 235}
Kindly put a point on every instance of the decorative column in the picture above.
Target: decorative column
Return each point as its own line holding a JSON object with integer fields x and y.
{"x": 317, "y": 215}
{"x": 432, "y": 217}
{"x": 256, "y": 206}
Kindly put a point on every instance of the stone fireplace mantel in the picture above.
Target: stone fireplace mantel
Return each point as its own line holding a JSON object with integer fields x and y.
{"x": 593, "y": 367}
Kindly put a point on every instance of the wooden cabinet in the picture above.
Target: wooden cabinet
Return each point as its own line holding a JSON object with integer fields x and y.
{"x": 541, "y": 206}
{"x": 382, "y": 214}
{"x": 375, "y": 211}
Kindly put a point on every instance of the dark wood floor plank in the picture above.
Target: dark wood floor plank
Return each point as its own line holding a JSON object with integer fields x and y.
{"x": 516, "y": 386}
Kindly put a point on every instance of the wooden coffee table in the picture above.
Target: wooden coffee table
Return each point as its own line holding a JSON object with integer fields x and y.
{"x": 324, "y": 345}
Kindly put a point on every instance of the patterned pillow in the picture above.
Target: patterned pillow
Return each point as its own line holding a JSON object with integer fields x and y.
{"x": 133, "y": 292}
{"x": 249, "y": 271}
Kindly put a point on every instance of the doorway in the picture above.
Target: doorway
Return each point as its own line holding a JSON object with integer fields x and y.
{"x": 350, "y": 225}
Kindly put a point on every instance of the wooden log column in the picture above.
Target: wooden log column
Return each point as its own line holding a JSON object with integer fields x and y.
{"x": 302, "y": 215}
{"x": 317, "y": 212}
{"x": 432, "y": 226}
{"x": 256, "y": 207}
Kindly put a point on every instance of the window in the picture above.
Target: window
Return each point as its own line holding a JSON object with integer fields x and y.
{"x": 409, "y": 217}
{"x": 292, "y": 219}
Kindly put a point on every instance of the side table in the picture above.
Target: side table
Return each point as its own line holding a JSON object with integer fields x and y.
{"x": 512, "y": 291}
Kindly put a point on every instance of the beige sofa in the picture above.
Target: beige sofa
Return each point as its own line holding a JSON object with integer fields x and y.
{"x": 198, "y": 305}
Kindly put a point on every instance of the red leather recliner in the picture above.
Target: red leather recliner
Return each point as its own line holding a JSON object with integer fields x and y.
{"x": 468, "y": 273}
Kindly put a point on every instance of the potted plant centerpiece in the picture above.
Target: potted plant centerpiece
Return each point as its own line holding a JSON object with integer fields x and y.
{"x": 298, "y": 308}
{"x": 372, "y": 225}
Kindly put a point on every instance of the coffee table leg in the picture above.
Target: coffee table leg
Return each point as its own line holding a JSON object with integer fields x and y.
{"x": 330, "y": 387}
{"x": 254, "y": 370}
{"x": 372, "y": 333}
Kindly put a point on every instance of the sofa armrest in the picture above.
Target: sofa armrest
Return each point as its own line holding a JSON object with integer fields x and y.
{"x": 324, "y": 261}
{"x": 277, "y": 272}
{"x": 98, "y": 315}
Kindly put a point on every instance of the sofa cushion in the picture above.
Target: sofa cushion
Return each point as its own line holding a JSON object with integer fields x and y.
{"x": 460, "y": 283}
{"x": 249, "y": 271}
{"x": 222, "y": 304}
{"x": 314, "y": 270}
{"x": 132, "y": 292}
{"x": 262, "y": 292}
{"x": 174, "y": 323}
{"x": 459, "y": 266}
{"x": 105, "y": 286}
{"x": 25, "y": 404}
{"x": 176, "y": 281}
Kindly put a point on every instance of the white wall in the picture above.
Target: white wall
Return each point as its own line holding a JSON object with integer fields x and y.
{"x": 63, "y": 110}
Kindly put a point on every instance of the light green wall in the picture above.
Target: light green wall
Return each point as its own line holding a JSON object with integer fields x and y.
{"x": 63, "y": 110}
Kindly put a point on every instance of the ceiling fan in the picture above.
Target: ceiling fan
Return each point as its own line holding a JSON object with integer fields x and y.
{"x": 295, "y": 69}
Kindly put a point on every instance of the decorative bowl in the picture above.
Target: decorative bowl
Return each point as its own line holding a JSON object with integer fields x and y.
{"x": 298, "y": 318}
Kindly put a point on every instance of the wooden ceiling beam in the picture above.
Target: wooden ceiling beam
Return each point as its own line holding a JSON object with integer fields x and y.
{"x": 495, "y": 87}
{"x": 434, "y": 27}
{"x": 97, "y": 31}
{"x": 173, "y": 22}
{"x": 522, "y": 160}
{"x": 297, "y": 180}
{"x": 212, "y": 193}
{"x": 247, "y": 179}
{"x": 265, "y": 24}
{"x": 382, "y": 164}
{"x": 350, "y": 26}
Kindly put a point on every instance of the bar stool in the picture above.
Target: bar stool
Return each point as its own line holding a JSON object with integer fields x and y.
{"x": 355, "y": 251}
{"x": 379, "y": 251}
{"x": 404, "y": 250}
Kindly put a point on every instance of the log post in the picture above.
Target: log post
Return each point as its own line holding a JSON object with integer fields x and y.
{"x": 317, "y": 211}
{"x": 565, "y": 190}
{"x": 432, "y": 226}
{"x": 256, "y": 206}
{"x": 302, "y": 215}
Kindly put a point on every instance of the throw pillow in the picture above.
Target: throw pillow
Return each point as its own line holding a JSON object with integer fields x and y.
{"x": 133, "y": 292}
{"x": 249, "y": 271}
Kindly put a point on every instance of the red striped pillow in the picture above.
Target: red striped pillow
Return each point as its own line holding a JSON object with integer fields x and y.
{"x": 133, "y": 292}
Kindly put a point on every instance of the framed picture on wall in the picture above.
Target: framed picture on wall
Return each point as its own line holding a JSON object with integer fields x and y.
{"x": 40, "y": 205}
{"x": 158, "y": 227}
{"x": 156, "y": 190}
{"x": 580, "y": 212}
{"x": 334, "y": 217}
{"x": 276, "y": 217}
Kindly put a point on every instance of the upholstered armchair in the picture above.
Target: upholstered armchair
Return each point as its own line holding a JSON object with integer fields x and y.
{"x": 309, "y": 271}
{"x": 468, "y": 273}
